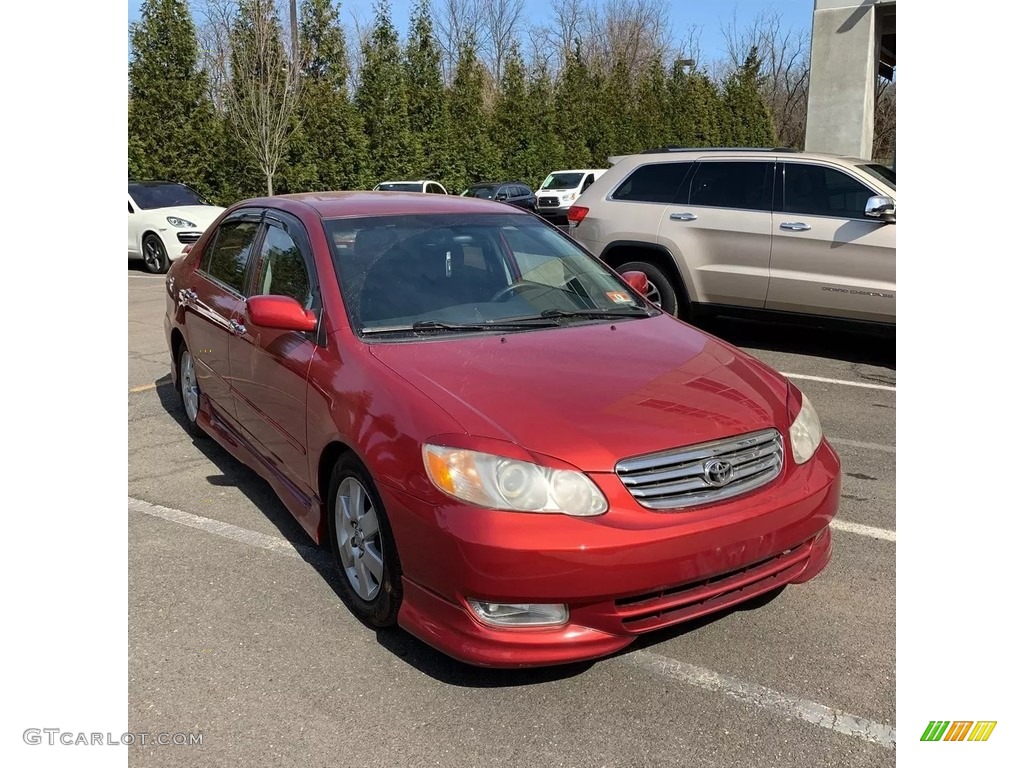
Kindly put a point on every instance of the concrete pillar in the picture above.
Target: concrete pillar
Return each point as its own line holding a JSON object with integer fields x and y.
{"x": 844, "y": 68}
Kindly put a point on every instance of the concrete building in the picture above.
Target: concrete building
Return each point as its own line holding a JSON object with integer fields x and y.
{"x": 853, "y": 42}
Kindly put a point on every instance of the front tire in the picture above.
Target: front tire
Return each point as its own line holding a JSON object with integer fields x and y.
{"x": 188, "y": 392}
{"x": 154, "y": 255}
{"x": 660, "y": 290}
{"x": 363, "y": 545}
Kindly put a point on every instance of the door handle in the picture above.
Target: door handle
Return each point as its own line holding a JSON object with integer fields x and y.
{"x": 236, "y": 327}
{"x": 794, "y": 226}
{"x": 682, "y": 217}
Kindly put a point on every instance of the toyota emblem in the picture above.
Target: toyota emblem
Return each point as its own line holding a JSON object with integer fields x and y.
{"x": 717, "y": 472}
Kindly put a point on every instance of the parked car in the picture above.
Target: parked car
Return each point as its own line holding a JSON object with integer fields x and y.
{"x": 803, "y": 236}
{"x": 164, "y": 217}
{"x": 560, "y": 190}
{"x": 427, "y": 186}
{"x": 512, "y": 192}
{"x": 511, "y": 454}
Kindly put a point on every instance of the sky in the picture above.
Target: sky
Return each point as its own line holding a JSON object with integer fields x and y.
{"x": 708, "y": 15}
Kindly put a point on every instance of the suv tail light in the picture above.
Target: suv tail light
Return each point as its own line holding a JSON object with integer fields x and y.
{"x": 577, "y": 213}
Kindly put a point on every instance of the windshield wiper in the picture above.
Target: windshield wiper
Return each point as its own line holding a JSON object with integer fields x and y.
{"x": 440, "y": 325}
{"x": 599, "y": 313}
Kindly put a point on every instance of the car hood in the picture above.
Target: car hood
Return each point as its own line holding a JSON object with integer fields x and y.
{"x": 200, "y": 215}
{"x": 593, "y": 394}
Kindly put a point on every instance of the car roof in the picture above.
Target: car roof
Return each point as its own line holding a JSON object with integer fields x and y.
{"x": 495, "y": 184}
{"x": 667, "y": 152}
{"x": 578, "y": 170}
{"x": 409, "y": 181}
{"x": 333, "y": 205}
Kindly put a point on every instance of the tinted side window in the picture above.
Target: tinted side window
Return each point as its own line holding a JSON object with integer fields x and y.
{"x": 130, "y": 209}
{"x": 524, "y": 192}
{"x": 820, "y": 191}
{"x": 282, "y": 269}
{"x": 226, "y": 260}
{"x": 656, "y": 183}
{"x": 745, "y": 185}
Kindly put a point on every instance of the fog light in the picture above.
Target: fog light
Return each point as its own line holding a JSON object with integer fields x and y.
{"x": 520, "y": 614}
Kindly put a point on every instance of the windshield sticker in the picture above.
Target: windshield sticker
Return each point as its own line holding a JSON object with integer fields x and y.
{"x": 618, "y": 297}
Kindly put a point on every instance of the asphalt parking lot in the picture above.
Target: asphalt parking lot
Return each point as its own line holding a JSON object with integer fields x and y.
{"x": 236, "y": 630}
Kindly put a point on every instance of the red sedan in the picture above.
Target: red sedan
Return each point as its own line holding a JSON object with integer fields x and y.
{"x": 512, "y": 455}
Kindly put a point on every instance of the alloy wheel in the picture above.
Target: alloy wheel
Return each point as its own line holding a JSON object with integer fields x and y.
{"x": 358, "y": 536}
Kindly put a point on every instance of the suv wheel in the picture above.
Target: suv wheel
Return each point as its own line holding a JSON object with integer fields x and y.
{"x": 660, "y": 290}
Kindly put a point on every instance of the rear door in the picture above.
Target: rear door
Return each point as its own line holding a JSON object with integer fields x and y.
{"x": 269, "y": 367}
{"x": 212, "y": 308}
{"x": 828, "y": 258}
{"x": 720, "y": 227}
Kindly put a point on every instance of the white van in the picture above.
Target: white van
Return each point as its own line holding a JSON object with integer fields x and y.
{"x": 561, "y": 188}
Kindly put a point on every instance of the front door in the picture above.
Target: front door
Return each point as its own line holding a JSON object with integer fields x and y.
{"x": 828, "y": 258}
{"x": 218, "y": 290}
{"x": 269, "y": 367}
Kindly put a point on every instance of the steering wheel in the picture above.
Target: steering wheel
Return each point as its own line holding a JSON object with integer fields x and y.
{"x": 508, "y": 291}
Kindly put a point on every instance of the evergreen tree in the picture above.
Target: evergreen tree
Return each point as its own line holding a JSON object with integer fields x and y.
{"x": 383, "y": 103}
{"x": 511, "y": 123}
{"x": 576, "y": 97}
{"x": 617, "y": 134}
{"x": 329, "y": 151}
{"x": 695, "y": 109}
{"x": 171, "y": 121}
{"x": 474, "y": 156}
{"x": 428, "y": 109}
{"x": 650, "y": 113}
{"x": 544, "y": 150}
{"x": 748, "y": 119}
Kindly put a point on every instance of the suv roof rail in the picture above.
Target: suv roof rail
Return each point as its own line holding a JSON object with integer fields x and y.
{"x": 674, "y": 148}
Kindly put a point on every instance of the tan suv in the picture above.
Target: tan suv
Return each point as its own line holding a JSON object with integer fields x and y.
{"x": 744, "y": 231}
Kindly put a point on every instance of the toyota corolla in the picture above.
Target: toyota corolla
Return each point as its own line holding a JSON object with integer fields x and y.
{"x": 512, "y": 455}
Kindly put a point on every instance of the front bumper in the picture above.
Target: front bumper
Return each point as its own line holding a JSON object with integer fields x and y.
{"x": 175, "y": 241}
{"x": 621, "y": 575}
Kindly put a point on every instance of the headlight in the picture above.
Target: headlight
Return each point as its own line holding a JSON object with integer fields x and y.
{"x": 571, "y": 196}
{"x": 497, "y": 482}
{"x": 174, "y": 221}
{"x": 805, "y": 432}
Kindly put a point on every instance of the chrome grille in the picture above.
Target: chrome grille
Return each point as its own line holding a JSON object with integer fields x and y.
{"x": 697, "y": 474}
{"x": 189, "y": 237}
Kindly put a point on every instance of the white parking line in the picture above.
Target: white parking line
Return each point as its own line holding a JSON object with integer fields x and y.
{"x": 844, "y": 382}
{"x": 274, "y": 544}
{"x": 679, "y": 671}
{"x": 765, "y": 698}
{"x": 865, "y": 530}
{"x": 861, "y": 444}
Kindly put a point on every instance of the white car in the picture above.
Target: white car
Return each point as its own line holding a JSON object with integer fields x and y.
{"x": 164, "y": 217}
{"x": 424, "y": 185}
{"x": 561, "y": 188}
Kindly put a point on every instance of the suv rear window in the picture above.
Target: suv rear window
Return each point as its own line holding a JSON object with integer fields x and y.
{"x": 655, "y": 183}
{"x": 744, "y": 184}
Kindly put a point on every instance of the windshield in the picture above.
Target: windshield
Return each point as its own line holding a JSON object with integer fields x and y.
{"x": 486, "y": 192}
{"x": 399, "y": 186}
{"x": 447, "y": 270}
{"x": 883, "y": 173}
{"x": 562, "y": 181}
{"x": 157, "y": 195}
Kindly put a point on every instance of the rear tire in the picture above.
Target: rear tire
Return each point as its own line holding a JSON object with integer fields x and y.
{"x": 363, "y": 545}
{"x": 188, "y": 392}
{"x": 661, "y": 292}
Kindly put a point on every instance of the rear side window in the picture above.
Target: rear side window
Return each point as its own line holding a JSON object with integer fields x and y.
{"x": 744, "y": 185}
{"x": 227, "y": 259}
{"x": 282, "y": 269}
{"x": 656, "y": 183}
{"x": 819, "y": 191}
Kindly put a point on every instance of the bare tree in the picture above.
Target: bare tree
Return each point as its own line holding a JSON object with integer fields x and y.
{"x": 362, "y": 30}
{"x": 261, "y": 90}
{"x": 455, "y": 21}
{"x": 214, "y": 35}
{"x": 884, "y": 149}
{"x": 502, "y": 23}
{"x": 633, "y": 32}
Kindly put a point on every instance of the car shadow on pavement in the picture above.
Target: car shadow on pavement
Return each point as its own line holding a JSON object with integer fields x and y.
{"x": 848, "y": 346}
{"x": 409, "y": 649}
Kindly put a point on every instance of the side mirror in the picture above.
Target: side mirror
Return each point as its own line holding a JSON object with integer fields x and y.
{"x": 881, "y": 207}
{"x": 282, "y": 313}
{"x": 637, "y": 281}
